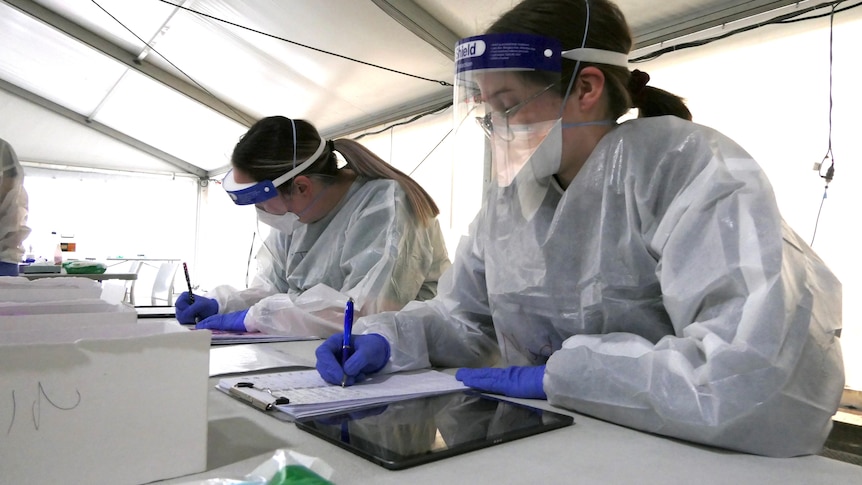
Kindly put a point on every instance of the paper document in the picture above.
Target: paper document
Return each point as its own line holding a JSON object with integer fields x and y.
{"x": 222, "y": 337}
{"x": 304, "y": 393}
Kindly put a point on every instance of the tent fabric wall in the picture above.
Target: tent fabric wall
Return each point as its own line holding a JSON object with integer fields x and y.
{"x": 170, "y": 78}
{"x": 78, "y": 90}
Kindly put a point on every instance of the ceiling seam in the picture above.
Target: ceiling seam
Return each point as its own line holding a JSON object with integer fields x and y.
{"x": 116, "y": 53}
{"x": 101, "y": 128}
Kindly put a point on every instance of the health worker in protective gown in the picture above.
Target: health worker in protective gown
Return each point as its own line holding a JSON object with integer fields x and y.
{"x": 637, "y": 272}
{"x": 13, "y": 211}
{"x": 364, "y": 231}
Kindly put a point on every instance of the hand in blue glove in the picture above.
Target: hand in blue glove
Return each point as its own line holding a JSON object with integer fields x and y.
{"x": 194, "y": 312}
{"x": 512, "y": 381}
{"x": 370, "y": 354}
{"x": 229, "y": 322}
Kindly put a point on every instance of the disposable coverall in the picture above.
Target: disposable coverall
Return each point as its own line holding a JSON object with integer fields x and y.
{"x": 13, "y": 208}
{"x": 662, "y": 289}
{"x": 369, "y": 247}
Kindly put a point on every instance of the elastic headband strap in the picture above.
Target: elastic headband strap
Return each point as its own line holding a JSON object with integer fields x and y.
{"x": 302, "y": 166}
{"x": 597, "y": 56}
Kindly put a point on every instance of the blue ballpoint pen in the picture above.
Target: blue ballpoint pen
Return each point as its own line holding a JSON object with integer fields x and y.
{"x": 345, "y": 342}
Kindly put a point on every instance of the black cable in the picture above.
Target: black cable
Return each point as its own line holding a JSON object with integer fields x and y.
{"x": 150, "y": 47}
{"x": 429, "y": 153}
{"x": 442, "y": 83}
{"x": 820, "y": 16}
{"x": 782, "y": 19}
{"x": 816, "y": 221}
{"x": 250, "y": 254}
{"x": 411, "y": 120}
{"x": 830, "y": 172}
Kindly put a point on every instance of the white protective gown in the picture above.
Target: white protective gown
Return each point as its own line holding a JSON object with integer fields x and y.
{"x": 370, "y": 247}
{"x": 13, "y": 206}
{"x": 662, "y": 289}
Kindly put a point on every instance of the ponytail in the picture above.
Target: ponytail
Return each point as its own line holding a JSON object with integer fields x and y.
{"x": 274, "y": 145}
{"x": 367, "y": 164}
{"x": 651, "y": 101}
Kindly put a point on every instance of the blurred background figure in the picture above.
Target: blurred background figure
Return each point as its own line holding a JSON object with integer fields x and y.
{"x": 13, "y": 211}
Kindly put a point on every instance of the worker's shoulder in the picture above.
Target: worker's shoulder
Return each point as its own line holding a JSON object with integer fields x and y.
{"x": 669, "y": 132}
{"x": 381, "y": 188}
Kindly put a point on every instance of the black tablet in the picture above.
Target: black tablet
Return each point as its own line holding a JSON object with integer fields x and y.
{"x": 420, "y": 430}
{"x": 156, "y": 311}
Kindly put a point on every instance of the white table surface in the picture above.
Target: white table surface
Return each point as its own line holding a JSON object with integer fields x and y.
{"x": 98, "y": 277}
{"x": 592, "y": 451}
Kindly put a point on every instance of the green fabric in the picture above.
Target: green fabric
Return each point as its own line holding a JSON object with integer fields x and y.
{"x": 84, "y": 267}
{"x": 297, "y": 475}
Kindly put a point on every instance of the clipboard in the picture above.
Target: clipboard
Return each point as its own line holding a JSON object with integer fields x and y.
{"x": 303, "y": 393}
{"x": 245, "y": 391}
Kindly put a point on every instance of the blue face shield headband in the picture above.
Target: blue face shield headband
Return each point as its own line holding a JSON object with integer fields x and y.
{"x": 258, "y": 192}
{"x": 491, "y": 54}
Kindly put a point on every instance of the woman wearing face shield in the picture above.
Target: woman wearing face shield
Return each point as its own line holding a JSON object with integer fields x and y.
{"x": 637, "y": 272}
{"x": 364, "y": 231}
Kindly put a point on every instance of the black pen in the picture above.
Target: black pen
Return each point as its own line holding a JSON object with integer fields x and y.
{"x": 189, "y": 283}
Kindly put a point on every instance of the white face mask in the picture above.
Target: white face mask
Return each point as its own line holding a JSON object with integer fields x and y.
{"x": 284, "y": 223}
{"x": 535, "y": 149}
{"x": 538, "y": 146}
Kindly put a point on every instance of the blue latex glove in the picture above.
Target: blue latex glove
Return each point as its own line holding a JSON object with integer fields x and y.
{"x": 370, "y": 354}
{"x": 512, "y": 381}
{"x": 229, "y": 322}
{"x": 202, "y": 307}
{"x": 8, "y": 269}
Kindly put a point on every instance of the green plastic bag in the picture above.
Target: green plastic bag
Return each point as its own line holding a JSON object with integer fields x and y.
{"x": 84, "y": 267}
{"x": 285, "y": 467}
{"x": 297, "y": 475}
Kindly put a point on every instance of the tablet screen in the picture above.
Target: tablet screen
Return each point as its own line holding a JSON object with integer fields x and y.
{"x": 156, "y": 311}
{"x": 415, "y": 431}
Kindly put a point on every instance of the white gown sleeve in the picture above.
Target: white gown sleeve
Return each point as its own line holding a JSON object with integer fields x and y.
{"x": 754, "y": 314}
{"x": 452, "y": 330}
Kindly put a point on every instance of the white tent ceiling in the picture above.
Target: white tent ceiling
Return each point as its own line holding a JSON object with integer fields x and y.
{"x": 169, "y": 86}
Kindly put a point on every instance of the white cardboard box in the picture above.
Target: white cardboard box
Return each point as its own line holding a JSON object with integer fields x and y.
{"x": 81, "y": 313}
{"x": 118, "y": 404}
{"x": 19, "y": 289}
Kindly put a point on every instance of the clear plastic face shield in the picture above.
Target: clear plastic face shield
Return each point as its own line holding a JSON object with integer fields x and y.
{"x": 509, "y": 85}
{"x": 506, "y": 88}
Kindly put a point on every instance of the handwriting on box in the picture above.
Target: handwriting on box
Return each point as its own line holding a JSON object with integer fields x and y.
{"x": 28, "y": 405}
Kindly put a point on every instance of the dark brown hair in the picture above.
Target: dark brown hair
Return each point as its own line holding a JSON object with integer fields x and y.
{"x": 565, "y": 20}
{"x": 266, "y": 152}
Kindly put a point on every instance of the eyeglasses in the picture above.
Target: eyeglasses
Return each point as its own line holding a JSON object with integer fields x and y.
{"x": 500, "y": 119}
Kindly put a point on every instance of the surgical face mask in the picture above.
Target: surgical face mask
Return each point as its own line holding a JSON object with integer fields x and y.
{"x": 284, "y": 223}
{"x": 536, "y": 148}
{"x": 527, "y": 144}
